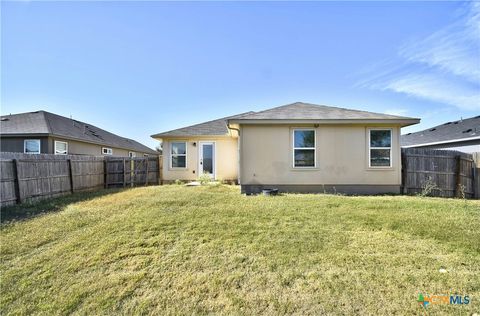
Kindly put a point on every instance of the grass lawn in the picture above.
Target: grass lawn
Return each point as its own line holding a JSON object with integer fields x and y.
{"x": 178, "y": 250}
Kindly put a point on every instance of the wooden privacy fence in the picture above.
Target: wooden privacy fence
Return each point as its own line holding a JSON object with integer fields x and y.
{"x": 444, "y": 173}
{"x": 29, "y": 177}
{"x": 131, "y": 172}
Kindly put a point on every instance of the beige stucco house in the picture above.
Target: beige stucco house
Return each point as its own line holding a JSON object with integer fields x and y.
{"x": 297, "y": 147}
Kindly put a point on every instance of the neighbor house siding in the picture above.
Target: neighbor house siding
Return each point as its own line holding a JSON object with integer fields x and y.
{"x": 226, "y": 158}
{"x": 83, "y": 148}
{"x": 15, "y": 144}
{"x": 47, "y": 146}
{"x": 341, "y": 157}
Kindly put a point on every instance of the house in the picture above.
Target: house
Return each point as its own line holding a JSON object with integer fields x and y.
{"x": 48, "y": 133}
{"x": 462, "y": 135}
{"x": 298, "y": 147}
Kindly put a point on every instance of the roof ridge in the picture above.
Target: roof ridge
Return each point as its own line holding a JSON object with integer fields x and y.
{"x": 49, "y": 127}
{"x": 278, "y": 107}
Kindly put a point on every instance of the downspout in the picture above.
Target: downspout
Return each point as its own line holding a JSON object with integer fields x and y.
{"x": 238, "y": 148}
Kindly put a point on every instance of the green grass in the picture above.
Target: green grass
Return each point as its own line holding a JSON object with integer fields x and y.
{"x": 203, "y": 250}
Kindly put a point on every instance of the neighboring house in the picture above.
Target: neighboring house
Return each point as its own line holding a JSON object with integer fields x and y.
{"x": 462, "y": 135}
{"x": 48, "y": 133}
{"x": 297, "y": 147}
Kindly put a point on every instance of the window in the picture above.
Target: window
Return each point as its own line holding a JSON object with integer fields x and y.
{"x": 107, "y": 151}
{"x": 304, "y": 148}
{"x": 132, "y": 154}
{"x": 380, "y": 151}
{"x": 61, "y": 148}
{"x": 145, "y": 155}
{"x": 31, "y": 146}
{"x": 178, "y": 155}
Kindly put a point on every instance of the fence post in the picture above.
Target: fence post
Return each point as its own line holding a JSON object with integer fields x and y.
{"x": 132, "y": 172}
{"x": 70, "y": 174}
{"x": 457, "y": 176}
{"x": 146, "y": 171}
{"x": 124, "y": 173}
{"x": 476, "y": 182}
{"x": 16, "y": 182}
{"x": 160, "y": 169}
{"x": 404, "y": 172}
{"x": 476, "y": 175}
{"x": 105, "y": 183}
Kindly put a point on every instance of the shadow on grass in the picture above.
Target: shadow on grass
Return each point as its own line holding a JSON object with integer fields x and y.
{"x": 31, "y": 209}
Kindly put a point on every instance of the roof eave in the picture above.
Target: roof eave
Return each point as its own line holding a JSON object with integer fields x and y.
{"x": 452, "y": 141}
{"x": 25, "y": 134}
{"x": 402, "y": 122}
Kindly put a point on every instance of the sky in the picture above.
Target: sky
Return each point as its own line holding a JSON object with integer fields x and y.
{"x": 140, "y": 68}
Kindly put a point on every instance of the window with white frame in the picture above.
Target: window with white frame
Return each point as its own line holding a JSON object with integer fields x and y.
{"x": 145, "y": 155}
{"x": 61, "y": 148}
{"x": 178, "y": 155}
{"x": 31, "y": 146}
{"x": 304, "y": 148}
{"x": 132, "y": 154}
{"x": 380, "y": 147}
{"x": 107, "y": 151}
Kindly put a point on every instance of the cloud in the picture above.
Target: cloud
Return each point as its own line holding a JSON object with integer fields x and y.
{"x": 454, "y": 49}
{"x": 442, "y": 67}
{"x": 435, "y": 88}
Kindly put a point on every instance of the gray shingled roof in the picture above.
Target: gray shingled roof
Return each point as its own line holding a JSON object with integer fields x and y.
{"x": 447, "y": 132}
{"x": 42, "y": 122}
{"x": 307, "y": 111}
{"x": 294, "y": 111}
{"x": 211, "y": 128}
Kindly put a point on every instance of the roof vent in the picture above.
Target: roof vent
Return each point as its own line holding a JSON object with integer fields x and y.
{"x": 433, "y": 129}
{"x": 467, "y": 131}
{"x": 448, "y": 123}
{"x": 4, "y": 119}
{"x": 455, "y": 122}
{"x": 409, "y": 134}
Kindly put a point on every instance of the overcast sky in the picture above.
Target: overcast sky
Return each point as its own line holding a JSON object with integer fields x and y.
{"x": 139, "y": 68}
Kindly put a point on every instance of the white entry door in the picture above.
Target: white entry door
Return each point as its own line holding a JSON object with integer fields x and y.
{"x": 206, "y": 161}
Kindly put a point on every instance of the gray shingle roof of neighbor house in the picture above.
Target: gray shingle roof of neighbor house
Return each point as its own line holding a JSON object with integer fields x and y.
{"x": 216, "y": 127}
{"x": 46, "y": 123}
{"x": 310, "y": 112}
{"x": 461, "y": 130}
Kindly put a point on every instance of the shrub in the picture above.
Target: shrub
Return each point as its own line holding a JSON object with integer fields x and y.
{"x": 204, "y": 179}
